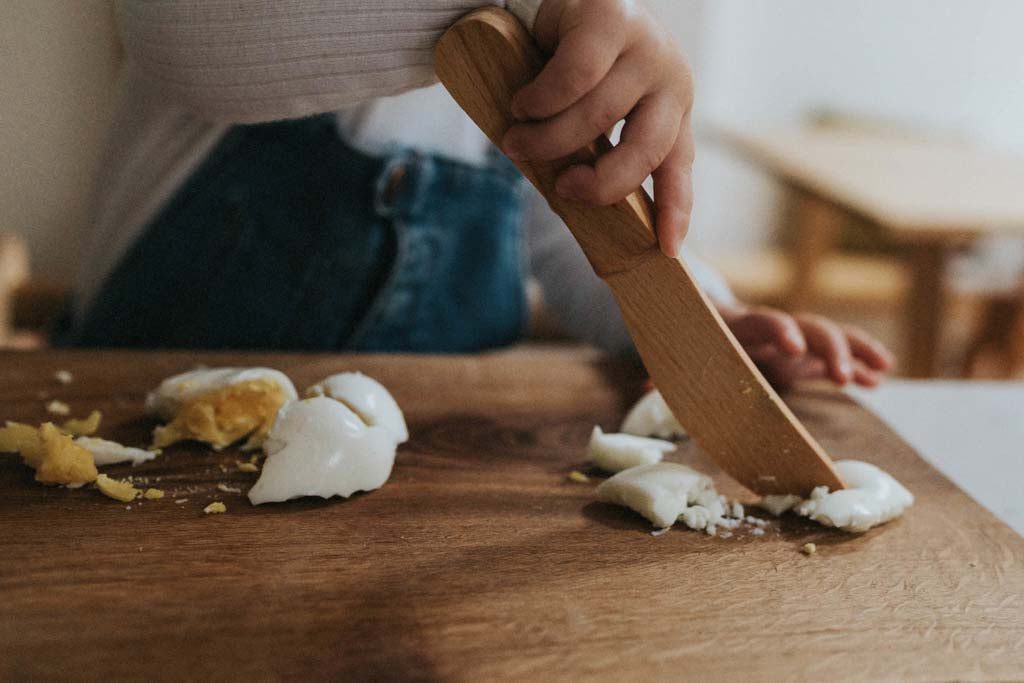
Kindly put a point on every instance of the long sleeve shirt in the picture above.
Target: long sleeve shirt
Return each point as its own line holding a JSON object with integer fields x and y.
{"x": 194, "y": 68}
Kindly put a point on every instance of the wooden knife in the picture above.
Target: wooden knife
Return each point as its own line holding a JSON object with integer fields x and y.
{"x": 707, "y": 379}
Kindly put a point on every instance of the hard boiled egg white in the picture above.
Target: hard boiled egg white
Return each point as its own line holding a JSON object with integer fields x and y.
{"x": 367, "y": 398}
{"x": 651, "y": 417}
{"x": 319, "y": 447}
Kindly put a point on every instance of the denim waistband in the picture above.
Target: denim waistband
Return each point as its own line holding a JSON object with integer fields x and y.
{"x": 409, "y": 180}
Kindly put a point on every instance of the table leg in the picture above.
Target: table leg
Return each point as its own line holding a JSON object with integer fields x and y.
{"x": 997, "y": 351}
{"x": 816, "y": 227}
{"x": 925, "y": 308}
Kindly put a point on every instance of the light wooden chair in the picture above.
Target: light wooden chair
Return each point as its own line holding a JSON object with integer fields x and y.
{"x": 28, "y": 307}
{"x": 14, "y": 273}
{"x": 997, "y": 350}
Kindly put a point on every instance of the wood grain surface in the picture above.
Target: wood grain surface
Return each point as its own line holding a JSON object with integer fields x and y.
{"x": 702, "y": 371}
{"x": 478, "y": 560}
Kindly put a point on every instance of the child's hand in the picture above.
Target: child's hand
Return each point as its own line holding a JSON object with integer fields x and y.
{"x": 611, "y": 60}
{"x": 788, "y": 348}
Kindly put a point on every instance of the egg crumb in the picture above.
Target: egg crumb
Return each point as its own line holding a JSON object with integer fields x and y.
{"x": 248, "y": 467}
{"x": 809, "y": 549}
{"x": 223, "y": 416}
{"x": 58, "y": 408}
{"x": 63, "y": 377}
{"x": 578, "y": 477}
{"x": 85, "y": 426}
{"x": 181, "y": 501}
{"x": 215, "y": 508}
{"x": 228, "y": 489}
{"x": 153, "y": 494}
{"x": 118, "y": 490}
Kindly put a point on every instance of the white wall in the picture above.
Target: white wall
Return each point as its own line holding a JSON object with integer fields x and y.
{"x": 945, "y": 65}
{"x": 57, "y": 67}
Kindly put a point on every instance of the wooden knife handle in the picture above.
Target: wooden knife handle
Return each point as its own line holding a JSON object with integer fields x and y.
{"x": 483, "y": 60}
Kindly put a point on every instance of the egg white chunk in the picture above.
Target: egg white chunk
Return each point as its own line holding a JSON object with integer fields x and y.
{"x": 110, "y": 452}
{"x": 872, "y": 497}
{"x": 617, "y": 452}
{"x": 178, "y": 390}
{"x": 319, "y": 447}
{"x": 777, "y": 503}
{"x": 660, "y": 492}
{"x": 367, "y": 398}
{"x": 651, "y": 417}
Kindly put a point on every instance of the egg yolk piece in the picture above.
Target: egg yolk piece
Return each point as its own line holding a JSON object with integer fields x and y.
{"x": 54, "y": 455}
{"x": 84, "y": 426}
{"x": 224, "y": 416}
{"x": 24, "y": 439}
{"x": 63, "y": 461}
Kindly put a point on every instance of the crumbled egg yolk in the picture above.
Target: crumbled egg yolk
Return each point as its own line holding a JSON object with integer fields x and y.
{"x": 83, "y": 427}
{"x": 215, "y": 508}
{"x": 63, "y": 461}
{"x": 578, "y": 477}
{"x": 24, "y": 439}
{"x": 223, "y": 416}
{"x": 55, "y": 457}
{"x": 153, "y": 494}
{"x": 118, "y": 490}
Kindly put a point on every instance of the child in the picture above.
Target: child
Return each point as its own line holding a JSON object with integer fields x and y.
{"x": 261, "y": 189}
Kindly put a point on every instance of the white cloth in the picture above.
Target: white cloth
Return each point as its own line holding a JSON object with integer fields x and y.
{"x": 195, "y": 67}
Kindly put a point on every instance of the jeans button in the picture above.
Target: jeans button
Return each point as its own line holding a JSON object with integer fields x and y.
{"x": 394, "y": 184}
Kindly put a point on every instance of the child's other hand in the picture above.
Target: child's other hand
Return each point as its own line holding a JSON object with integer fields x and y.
{"x": 611, "y": 60}
{"x": 788, "y": 348}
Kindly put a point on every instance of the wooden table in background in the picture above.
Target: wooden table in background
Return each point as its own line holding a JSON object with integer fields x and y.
{"x": 933, "y": 197}
{"x": 479, "y": 559}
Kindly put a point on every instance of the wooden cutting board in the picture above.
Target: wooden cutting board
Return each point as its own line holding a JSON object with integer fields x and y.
{"x": 479, "y": 559}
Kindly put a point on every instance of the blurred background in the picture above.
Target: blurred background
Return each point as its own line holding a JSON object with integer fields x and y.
{"x": 862, "y": 159}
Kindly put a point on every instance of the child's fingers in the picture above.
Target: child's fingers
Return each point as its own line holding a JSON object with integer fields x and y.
{"x": 647, "y": 139}
{"x": 574, "y": 128}
{"x": 673, "y": 193}
{"x": 869, "y": 349}
{"x": 784, "y": 371}
{"x": 582, "y": 59}
{"x": 765, "y": 326}
{"x": 827, "y": 340}
{"x": 864, "y": 375}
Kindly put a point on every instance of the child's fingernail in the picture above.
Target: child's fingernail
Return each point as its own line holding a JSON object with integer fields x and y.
{"x": 511, "y": 148}
{"x": 513, "y": 153}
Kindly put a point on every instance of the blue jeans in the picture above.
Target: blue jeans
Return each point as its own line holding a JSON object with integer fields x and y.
{"x": 286, "y": 238}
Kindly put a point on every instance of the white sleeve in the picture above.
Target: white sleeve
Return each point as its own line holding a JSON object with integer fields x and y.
{"x": 244, "y": 61}
{"x": 577, "y": 298}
